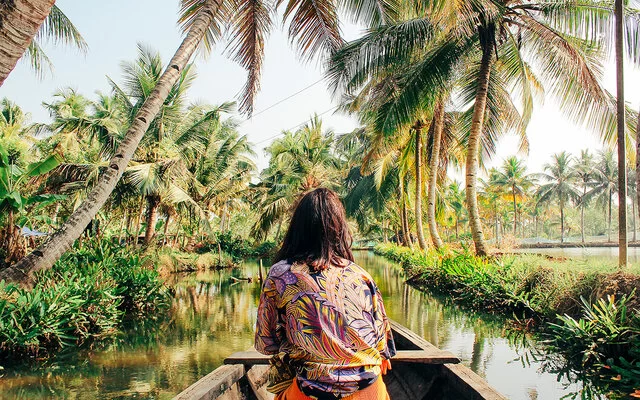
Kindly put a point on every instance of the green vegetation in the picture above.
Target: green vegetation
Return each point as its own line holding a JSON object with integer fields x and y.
{"x": 87, "y": 296}
{"x": 590, "y": 315}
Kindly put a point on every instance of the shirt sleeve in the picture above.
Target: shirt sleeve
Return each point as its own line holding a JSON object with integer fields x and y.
{"x": 266, "y": 340}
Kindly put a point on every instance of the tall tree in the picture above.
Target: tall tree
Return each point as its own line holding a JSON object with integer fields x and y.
{"x": 561, "y": 178}
{"x": 513, "y": 179}
{"x": 538, "y": 44}
{"x": 437, "y": 126}
{"x": 605, "y": 185}
{"x": 418, "y": 128}
{"x": 584, "y": 171}
{"x": 622, "y": 153}
{"x": 20, "y": 20}
{"x": 314, "y": 27}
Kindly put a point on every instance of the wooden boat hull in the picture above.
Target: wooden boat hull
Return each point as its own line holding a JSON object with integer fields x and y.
{"x": 420, "y": 371}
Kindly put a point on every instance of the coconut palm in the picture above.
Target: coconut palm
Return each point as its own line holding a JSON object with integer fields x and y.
{"x": 21, "y": 21}
{"x": 313, "y": 25}
{"x": 513, "y": 179}
{"x": 299, "y": 161}
{"x": 605, "y": 184}
{"x": 522, "y": 35}
{"x": 561, "y": 185}
{"x": 583, "y": 169}
{"x": 454, "y": 201}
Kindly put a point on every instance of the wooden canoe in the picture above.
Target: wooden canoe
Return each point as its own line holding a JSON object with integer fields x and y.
{"x": 420, "y": 371}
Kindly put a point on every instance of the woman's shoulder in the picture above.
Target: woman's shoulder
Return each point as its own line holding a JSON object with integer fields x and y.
{"x": 361, "y": 271}
{"x": 279, "y": 268}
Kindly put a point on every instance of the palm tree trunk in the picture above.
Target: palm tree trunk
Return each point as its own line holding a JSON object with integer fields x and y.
{"x": 622, "y": 153}
{"x": 122, "y": 226}
{"x": 438, "y": 121}
{"x": 153, "y": 202}
{"x": 609, "y": 226}
{"x": 473, "y": 146}
{"x": 637, "y": 166}
{"x": 515, "y": 213}
{"x": 561, "y": 221}
{"x": 405, "y": 225}
{"x": 418, "y": 206}
{"x": 633, "y": 212}
{"x": 20, "y": 21}
{"x": 166, "y": 230}
{"x": 584, "y": 193}
{"x": 136, "y": 231}
{"x": 58, "y": 243}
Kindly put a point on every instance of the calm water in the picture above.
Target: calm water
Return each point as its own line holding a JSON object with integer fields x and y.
{"x": 584, "y": 253}
{"x": 212, "y": 317}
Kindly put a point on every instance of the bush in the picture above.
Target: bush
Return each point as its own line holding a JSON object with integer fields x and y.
{"x": 85, "y": 296}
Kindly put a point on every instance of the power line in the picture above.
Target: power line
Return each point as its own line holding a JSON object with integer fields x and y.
{"x": 295, "y": 126}
{"x": 285, "y": 99}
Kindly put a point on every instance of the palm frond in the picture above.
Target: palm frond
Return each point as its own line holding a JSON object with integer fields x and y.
{"x": 250, "y": 27}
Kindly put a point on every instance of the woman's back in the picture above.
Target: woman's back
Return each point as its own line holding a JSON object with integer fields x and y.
{"x": 329, "y": 325}
{"x": 321, "y": 315}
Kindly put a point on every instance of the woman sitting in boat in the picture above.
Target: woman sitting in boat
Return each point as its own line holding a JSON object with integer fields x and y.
{"x": 321, "y": 316}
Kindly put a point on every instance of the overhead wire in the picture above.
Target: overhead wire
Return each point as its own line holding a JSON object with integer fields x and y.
{"x": 295, "y": 126}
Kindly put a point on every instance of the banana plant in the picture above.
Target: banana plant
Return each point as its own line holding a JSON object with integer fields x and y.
{"x": 15, "y": 198}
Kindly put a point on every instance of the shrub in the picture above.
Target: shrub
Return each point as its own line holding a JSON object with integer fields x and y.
{"x": 85, "y": 296}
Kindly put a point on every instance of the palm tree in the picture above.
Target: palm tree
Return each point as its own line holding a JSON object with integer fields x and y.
{"x": 513, "y": 178}
{"x": 622, "y": 149}
{"x": 314, "y": 26}
{"x": 454, "y": 200}
{"x": 520, "y": 35}
{"x": 561, "y": 187}
{"x": 20, "y": 22}
{"x": 605, "y": 184}
{"x": 299, "y": 161}
{"x": 583, "y": 169}
{"x": 437, "y": 127}
{"x": 632, "y": 191}
{"x": 418, "y": 128}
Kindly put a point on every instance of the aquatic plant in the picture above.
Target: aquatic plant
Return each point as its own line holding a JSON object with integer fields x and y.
{"x": 86, "y": 297}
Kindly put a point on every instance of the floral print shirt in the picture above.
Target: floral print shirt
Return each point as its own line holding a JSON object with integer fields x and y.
{"x": 329, "y": 329}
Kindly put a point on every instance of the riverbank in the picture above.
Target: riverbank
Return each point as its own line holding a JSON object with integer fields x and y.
{"x": 590, "y": 316}
{"x": 572, "y": 245}
{"x": 87, "y": 297}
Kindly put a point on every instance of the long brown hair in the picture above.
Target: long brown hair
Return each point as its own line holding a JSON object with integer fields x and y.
{"x": 318, "y": 233}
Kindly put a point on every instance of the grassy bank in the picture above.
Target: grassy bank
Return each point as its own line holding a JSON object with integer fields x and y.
{"x": 590, "y": 315}
{"x": 86, "y": 297}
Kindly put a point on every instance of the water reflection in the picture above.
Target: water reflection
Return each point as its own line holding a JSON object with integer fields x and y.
{"x": 213, "y": 315}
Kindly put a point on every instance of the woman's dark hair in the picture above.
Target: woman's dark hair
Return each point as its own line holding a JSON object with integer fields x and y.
{"x": 318, "y": 233}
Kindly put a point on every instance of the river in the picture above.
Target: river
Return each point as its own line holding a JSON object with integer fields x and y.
{"x": 608, "y": 254}
{"x": 213, "y": 316}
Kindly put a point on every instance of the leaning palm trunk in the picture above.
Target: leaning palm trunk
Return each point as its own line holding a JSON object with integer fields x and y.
{"x": 419, "y": 230}
{"x": 48, "y": 253}
{"x": 473, "y": 147}
{"x": 19, "y": 23}
{"x": 438, "y": 120}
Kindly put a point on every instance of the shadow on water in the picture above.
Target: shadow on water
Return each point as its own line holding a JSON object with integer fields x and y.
{"x": 213, "y": 316}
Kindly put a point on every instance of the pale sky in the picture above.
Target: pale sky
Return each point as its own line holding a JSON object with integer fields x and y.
{"x": 112, "y": 30}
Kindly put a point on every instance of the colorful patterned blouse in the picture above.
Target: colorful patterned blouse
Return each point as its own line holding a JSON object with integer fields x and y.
{"x": 328, "y": 328}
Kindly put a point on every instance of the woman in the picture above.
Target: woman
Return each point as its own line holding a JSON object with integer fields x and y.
{"x": 321, "y": 316}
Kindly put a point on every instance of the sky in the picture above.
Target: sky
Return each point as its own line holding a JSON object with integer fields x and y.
{"x": 113, "y": 30}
